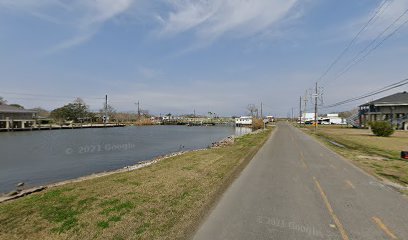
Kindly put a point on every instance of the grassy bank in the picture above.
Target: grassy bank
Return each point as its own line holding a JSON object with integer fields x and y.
{"x": 162, "y": 201}
{"x": 379, "y": 156}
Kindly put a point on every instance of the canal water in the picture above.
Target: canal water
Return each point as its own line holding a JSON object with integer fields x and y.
{"x": 43, "y": 157}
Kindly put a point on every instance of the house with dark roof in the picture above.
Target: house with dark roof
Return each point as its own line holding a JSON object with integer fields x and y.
{"x": 393, "y": 108}
{"x": 12, "y": 117}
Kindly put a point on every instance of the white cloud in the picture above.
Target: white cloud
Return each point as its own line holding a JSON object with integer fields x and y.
{"x": 72, "y": 42}
{"x": 100, "y": 11}
{"x": 95, "y": 14}
{"x": 213, "y": 18}
{"x": 208, "y": 19}
{"x": 85, "y": 17}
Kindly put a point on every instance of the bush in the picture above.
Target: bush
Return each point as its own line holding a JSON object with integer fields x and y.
{"x": 257, "y": 124}
{"x": 382, "y": 129}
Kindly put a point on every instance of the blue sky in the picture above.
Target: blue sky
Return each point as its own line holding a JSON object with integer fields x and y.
{"x": 180, "y": 55}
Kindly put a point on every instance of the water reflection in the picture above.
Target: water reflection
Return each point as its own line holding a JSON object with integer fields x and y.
{"x": 239, "y": 131}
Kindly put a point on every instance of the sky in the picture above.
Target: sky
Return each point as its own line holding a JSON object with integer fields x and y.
{"x": 177, "y": 56}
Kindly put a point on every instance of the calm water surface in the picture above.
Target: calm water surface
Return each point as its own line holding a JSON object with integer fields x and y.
{"x": 42, "y": 157}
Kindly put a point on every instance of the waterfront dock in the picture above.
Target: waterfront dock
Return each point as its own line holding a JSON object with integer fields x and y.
{"x": 58, "y": 127}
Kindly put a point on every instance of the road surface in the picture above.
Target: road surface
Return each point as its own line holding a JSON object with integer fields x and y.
{"x": 295, "y": 188}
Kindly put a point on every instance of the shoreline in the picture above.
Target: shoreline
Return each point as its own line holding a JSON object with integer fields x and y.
{"x": 167, "y": 200}
{"x": 15, "y": 194}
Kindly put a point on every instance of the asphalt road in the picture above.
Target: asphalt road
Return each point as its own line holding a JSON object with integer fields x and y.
{"x": 295, "y": 188}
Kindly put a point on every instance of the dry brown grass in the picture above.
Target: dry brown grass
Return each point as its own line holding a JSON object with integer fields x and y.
{"x": 163, "y": 201}
{"x": 379, "y": 156}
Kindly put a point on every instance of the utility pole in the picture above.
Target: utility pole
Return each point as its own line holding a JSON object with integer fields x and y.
{"x": 300, "y": 110}
{"x": 305, "y": 99}
{"x": 292, "y": 115}
{"x": 262, "y": 116}
{"x": 105, "y": 118}
{"x": 138, "y": 110}
{"x": 316, "y": 95}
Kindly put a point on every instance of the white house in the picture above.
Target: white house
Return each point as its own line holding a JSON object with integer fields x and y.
{"x": 333, "y": 118}
{"x": 243, "y": 121}
{"x": 270, "y": 118}
{"x": 307, "y": 117}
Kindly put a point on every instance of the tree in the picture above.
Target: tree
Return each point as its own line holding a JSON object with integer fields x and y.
{"x": 72, "y": 111}
{"x": 3, "y": 101}
{"x": 347, "y": 114}
{"x": 252, "y": 109}
{"x": 212, "y": 114}
{"x": 145, "y": 113}
{"x": 109, "y": 111}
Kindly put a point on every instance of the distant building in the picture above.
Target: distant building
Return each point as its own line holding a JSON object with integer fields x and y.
{"x": 270, "y": 118}
{"x": 332, "y": 118}
{"x": 307, "y": 117}
{"x": 172, "y": 118}
{"x": 393, "y": 108}
{"x": 14, "y": 118}
{"x": 243, "y": 121}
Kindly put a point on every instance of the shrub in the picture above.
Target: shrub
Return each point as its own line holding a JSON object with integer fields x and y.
{"x": 382, "y": 129}
{"x": 257, "y": 123}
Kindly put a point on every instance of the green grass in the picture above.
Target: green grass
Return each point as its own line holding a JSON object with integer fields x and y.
{"x": 166, "y": 200}
{"x": 379, "y": 156}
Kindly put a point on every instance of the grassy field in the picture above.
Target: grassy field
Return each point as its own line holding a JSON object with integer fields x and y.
{"x": 379, "y": 156}
{"x": 166, "y": 200}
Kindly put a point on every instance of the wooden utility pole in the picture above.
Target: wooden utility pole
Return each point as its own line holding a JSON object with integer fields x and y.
{"x": 316, "y": 95}
{"x": 300, "y": 110}
{"x": 261, "y": 111}
{"x": 293, "y": 116}
{"x": 105, "y": 118}
{"x": 138, "y": 110}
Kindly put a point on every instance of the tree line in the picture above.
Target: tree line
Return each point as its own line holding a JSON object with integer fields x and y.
{"x": 78, "y": 111}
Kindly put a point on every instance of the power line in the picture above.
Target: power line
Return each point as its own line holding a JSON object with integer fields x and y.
{"x": 364, "y": 96}
{"x": 359, "y": 58}
{"x": 345, "y": 50}
{"x": 381, "y": 90}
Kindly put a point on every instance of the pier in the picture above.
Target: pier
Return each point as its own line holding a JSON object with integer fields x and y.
{"x": 11, "y": 128}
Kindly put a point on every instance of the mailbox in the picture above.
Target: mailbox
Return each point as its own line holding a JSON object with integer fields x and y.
{"x": 404, "y": 155}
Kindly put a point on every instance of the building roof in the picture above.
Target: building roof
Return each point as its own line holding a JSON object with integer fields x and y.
{"x": 391, "y": 100}
{"x": 11, "y": 109}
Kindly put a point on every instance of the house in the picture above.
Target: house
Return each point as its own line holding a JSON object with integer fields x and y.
{"x": 307, "y": 117}
{"x": 332, "y": 118}
{"x": 16, "y": 118}
{"x": 170, "y": 118}
{"x": 270, "y": 118}
{"x": 393, "y": 108}
{"x": 243, "y": 121}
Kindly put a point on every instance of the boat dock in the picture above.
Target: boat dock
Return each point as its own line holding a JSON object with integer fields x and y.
{"x": 58, "y": 127}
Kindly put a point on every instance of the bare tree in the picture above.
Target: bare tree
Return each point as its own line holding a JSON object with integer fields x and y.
{"x": 3, "y": 101}
{"x": 145, "y": 113}
{"x": 252, "y": 109}
{"x": 348, "y": 114}
{"x": 110, "y": 111}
